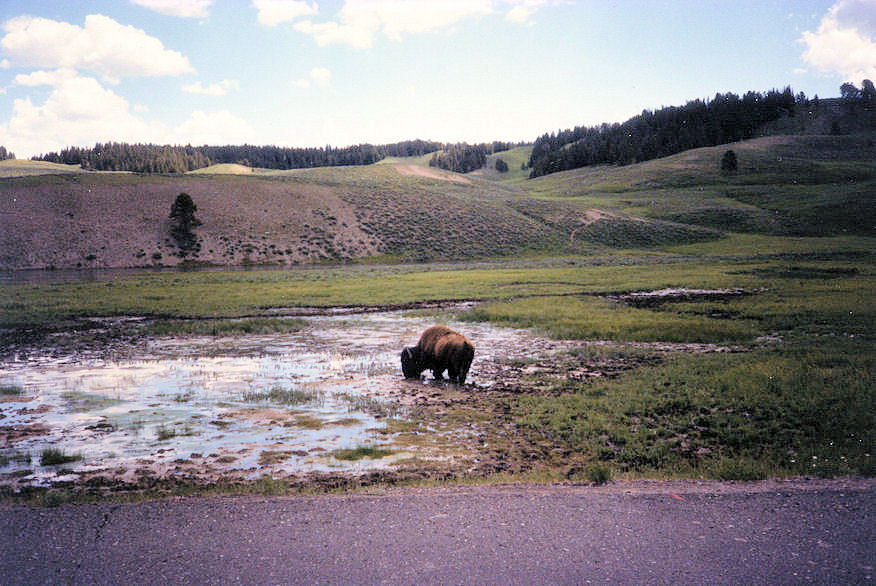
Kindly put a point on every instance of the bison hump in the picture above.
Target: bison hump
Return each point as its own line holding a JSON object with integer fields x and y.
{"x": 453, "y": 344}
{"x": 431, "y": 336}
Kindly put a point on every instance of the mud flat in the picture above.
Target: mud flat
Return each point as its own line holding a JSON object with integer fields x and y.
{"x": 241, "y": 407}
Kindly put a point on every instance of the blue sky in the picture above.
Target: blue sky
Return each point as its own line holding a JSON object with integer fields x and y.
{"x": 310, "y": 73}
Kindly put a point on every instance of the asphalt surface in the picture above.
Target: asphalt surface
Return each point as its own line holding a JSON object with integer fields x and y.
{"x": 634, "y": 533}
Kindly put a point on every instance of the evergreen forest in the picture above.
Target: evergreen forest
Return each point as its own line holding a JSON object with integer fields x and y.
{"x": 151, "y": 158}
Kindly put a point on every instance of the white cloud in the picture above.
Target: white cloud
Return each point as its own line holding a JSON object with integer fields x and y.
{"x": 274, "y": 12}
{"x": 37, "y": 78}
{"x": 519, "y": 14}
{"x": 319, "y": 76}
{"x": 521, "y": 10}
{"x": 397, "y": 17}
{"x": 102, "y": 46}
{"x": 214, "y": 128}
{"x": 182, "y": 8}
{"x": 844, "y": 42}
{"x": 214, "y": 89}
{"x": 332, "y": 33}
{"x": 79, "y": 111}
{"x": 359, "y": 21}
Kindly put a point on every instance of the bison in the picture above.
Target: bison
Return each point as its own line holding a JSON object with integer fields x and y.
{"x": 439, "y": 349}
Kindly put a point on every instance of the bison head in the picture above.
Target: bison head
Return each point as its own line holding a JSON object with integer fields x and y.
{"x": 411, "y": 362}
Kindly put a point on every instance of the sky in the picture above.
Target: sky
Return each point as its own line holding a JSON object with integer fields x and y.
{"x": 305, "y": 73}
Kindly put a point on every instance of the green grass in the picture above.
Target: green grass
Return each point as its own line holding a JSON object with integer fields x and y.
{"x": 167, "y": 432}
{"x": 57, "y": 457}
{"x": 728, "y": 416}
{"x": 23, "y": 168}
{"x": 585, "y": 318}
{"x": 598, "y": 473}
{"x": 514, "y": 158}
{"x": 82, "y": 402}
{"x": 272, "y": 457}
{"x": 212, "y": 327}
{"x": 17, "y": 457}
{"x": 360, "y": 452}
{"x": 368, "y": 404}
{"x": 759, "y": 245}
{"x": 281, "y": 396}
{"x": 211, "y": 295}
{"x": 226, "y": 169}
{"x": 11, "y": 391}
{"x": 309, "y": 422}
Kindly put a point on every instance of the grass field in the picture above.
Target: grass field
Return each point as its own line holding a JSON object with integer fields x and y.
{"x": 25, "y": 168}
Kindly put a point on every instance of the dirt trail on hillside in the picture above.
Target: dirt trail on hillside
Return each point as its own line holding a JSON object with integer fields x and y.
{"x": 417, "y": 171}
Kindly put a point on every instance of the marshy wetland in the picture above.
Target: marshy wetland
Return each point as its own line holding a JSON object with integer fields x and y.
{"x": 325, "y": 398}
{"x": 584, "y": 371}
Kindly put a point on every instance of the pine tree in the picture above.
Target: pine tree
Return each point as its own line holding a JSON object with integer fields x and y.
{"x": 729, "y": 162}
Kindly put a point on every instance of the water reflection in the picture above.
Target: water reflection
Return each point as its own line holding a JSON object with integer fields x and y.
{"x": 212, "y": 402}
{"x": 203, "y": 406}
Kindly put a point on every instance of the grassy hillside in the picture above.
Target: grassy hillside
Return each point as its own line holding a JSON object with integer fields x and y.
{"x": 401, "y": 209}
{"x": 318, "y": 215}
{"x": 224, "y": 169}
{"x": 514, "y": 158}
{"x": 24, "y": 168}
{"x": 785, "y": 185}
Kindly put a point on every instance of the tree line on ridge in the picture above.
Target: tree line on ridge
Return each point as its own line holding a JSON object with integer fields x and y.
{"x": 152, "y": 158}
{"x": 726, "y": 118}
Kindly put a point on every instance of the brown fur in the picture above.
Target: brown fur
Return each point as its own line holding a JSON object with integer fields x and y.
{"x": 439, "y": 349}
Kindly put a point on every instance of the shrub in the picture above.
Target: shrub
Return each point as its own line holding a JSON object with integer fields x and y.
{"x": 55, "y": 457}
{"x": 361, "y": 452}
{"x": 729, "y": 162}
{"x": 598, "y": 473}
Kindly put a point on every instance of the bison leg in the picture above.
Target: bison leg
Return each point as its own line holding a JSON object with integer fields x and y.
{"x": 438, "y": 368}
{"x": 452, "y": 374}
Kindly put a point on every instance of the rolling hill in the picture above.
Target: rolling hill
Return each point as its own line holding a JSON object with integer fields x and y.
{"x": 402, "y": 210}
{"x": 25, "y": 168}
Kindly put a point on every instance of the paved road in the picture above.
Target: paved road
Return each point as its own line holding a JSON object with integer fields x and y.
{"x": 639, "y": 533}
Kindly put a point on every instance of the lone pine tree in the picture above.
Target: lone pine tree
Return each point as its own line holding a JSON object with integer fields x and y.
{"x": 182, "y": 217}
